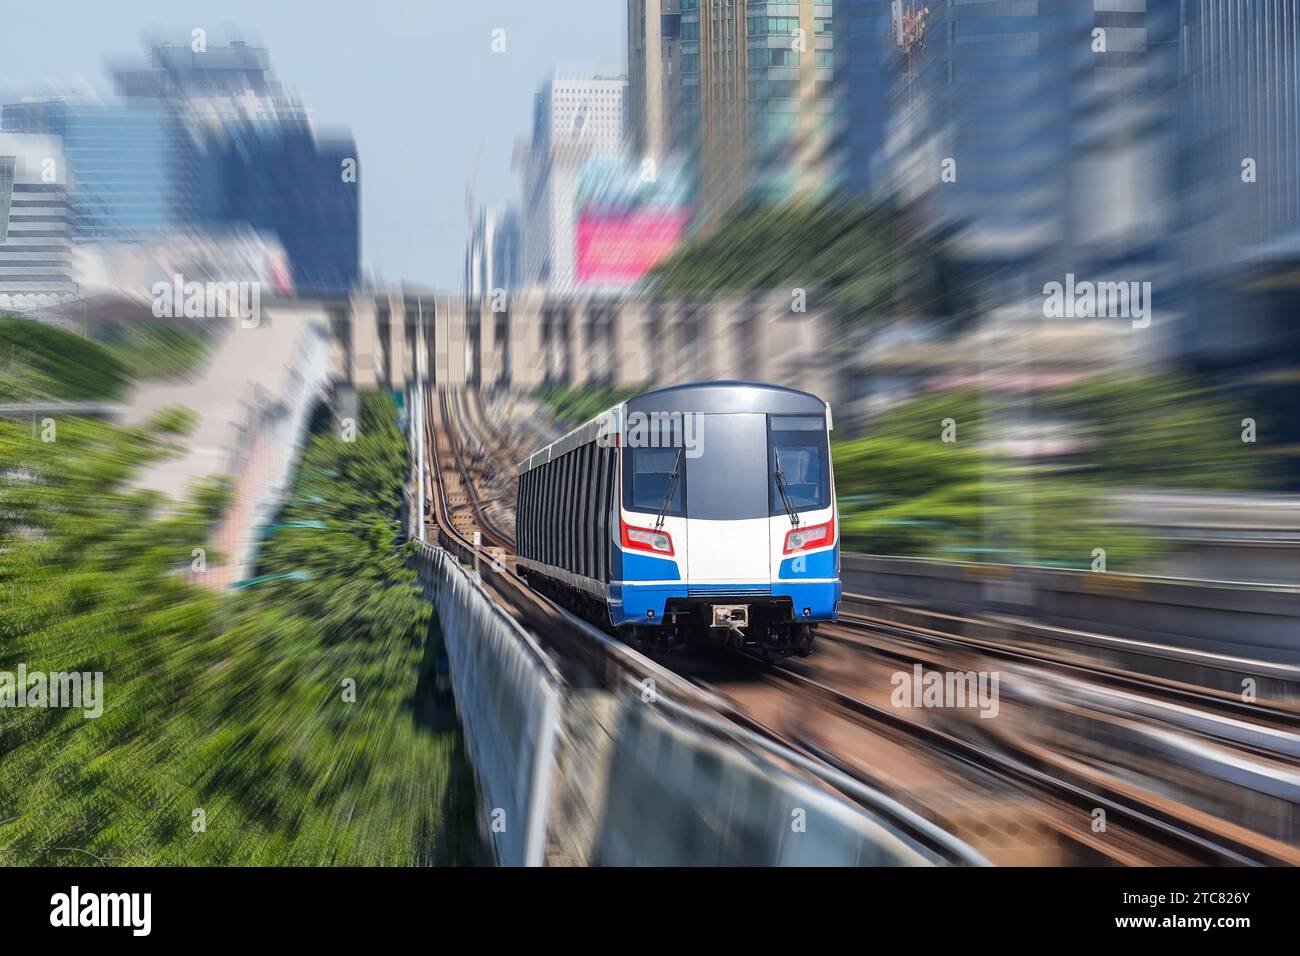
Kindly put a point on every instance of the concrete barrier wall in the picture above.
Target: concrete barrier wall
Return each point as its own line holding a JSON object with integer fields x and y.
{"x": 677, "y": 797}
{"x": 508, "y": 697}
{"x": 654, "y": 787}
{"x": 1254, "y": 621}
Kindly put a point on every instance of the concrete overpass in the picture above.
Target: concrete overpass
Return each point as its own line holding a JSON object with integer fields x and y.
{"x": 379, "y": 335}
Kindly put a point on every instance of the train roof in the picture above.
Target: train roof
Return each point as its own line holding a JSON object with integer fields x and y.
{"x": 704, "y": 398}
{"x": 728, "y": 397}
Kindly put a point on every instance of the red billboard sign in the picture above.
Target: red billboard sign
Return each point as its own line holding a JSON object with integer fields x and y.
{"x": 617, "y": 249}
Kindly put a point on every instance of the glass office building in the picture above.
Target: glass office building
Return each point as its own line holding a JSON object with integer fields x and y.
{"x": 35, "y": 241}
{"x": 1013, "y": 130}
{"x": 131, "y": 168}
{"x": 289, "y": 182}
{"x": 259, "y": 159}
{"x": 757, "y": 105}
{"x": 865, "y": 59}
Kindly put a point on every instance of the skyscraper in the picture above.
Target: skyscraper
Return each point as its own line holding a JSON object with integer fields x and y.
{"x": 131, "y": 166}
{"x": 865, "y": 60}
{"x": 1031, "y": 134}
{"x": 35, "y": 231}
{"x": 575, "y": 121}
{"x": 492, "y": 257}
{"x": 654, "y": 76}
{"x": 259, "y": 158}
{"x": 1236, "y": 244}
{"x": 758, "y": 112}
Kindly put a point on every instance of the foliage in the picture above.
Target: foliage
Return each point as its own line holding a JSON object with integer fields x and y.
{"x": 863, "y": 259}
{"x": 43, "y": 361}
{"x": 575, "y": 404}
{"x": 226, "y": 702}
{"x": 1164, "y": 431}
{"x": 158, "y": 350}
{"x": 904, "y": 496}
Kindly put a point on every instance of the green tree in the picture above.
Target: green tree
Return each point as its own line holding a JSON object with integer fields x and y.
{"x": 228, "y": 704}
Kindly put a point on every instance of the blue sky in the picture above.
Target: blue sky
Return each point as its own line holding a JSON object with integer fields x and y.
{"x": 415, "y": 81}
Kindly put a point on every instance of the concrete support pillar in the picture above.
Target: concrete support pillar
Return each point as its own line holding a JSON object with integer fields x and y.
{"x": 599, "y": 327}
{"x": 527, "y": 356}
{"x": 489, "y": 359}
{"x": 666, "y": 338}
{"x": 794, "y": 346}
{"x": 398, "y": 371}
{"x": 631, "y": 357}
{"x": 449, "y": 341}
{"x": 366, "y": 349}
{"x": 453, "y": 310}
{"x": 420, "y": 312}
{"x": 717, "y": 360}
{"x": 579, "y": 344}
{"x": 340, "y": 342}
{"x": 555, "y": 335}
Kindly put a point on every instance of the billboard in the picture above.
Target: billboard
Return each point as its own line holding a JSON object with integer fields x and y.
{"x": 627, "y": 219}
{"x": 616, "y": 249}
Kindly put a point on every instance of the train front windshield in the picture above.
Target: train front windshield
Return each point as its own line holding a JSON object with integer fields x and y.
{"x": 730, "y": 474}
{"x": 797, "y": 450}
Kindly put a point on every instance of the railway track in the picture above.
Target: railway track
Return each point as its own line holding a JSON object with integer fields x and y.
{"x": 1265, "y": 728}
{"x": 1157, "y": 821}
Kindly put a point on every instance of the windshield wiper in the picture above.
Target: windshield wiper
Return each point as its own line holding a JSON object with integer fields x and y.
{"x": 779, "y": 475}
{"x": 668, "y": 495}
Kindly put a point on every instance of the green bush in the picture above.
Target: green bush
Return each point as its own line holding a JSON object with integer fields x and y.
{"x": 573, "y": 405}
{"x": 43, "y": 361}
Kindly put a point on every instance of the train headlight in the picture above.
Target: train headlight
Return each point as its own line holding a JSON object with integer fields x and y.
{"x": 644, "y": 539}
{"x": 816, "y": 536}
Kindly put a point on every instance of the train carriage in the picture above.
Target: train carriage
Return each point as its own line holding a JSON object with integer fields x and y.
{"x": 699, "y": 512}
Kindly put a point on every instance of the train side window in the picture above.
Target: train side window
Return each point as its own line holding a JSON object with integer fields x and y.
{"x": 577, "y": 512}
{"x": 540, "y": 473}
{"x": 593, "y": 455}
{"x": 578, "y": 508}
{"x": 532, "y": 514}
{"x": 548, "y": 516}
{"x": 553, "y": 515}
{"x": 532, "y": 510}
{"x": 598, "y": 500}
{"x": 557, "y": 515}
{"x": 583, "y": 509}
{"x": 593, "y": 461}
{"x": 521, "y": 514}
{"x": 566, "y": 513}
{"x": 588, "y": 510}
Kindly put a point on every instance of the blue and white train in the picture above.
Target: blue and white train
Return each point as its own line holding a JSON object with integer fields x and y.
{"x": 692, "y": 513}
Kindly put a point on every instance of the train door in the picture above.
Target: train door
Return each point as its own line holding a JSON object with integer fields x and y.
{"x": 727, "y": 504}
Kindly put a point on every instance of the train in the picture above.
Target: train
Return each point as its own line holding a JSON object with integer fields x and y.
{"x": 701, "y": 513}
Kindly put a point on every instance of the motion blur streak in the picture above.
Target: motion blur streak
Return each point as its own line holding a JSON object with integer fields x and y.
{"x": 1035, "y": 266}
